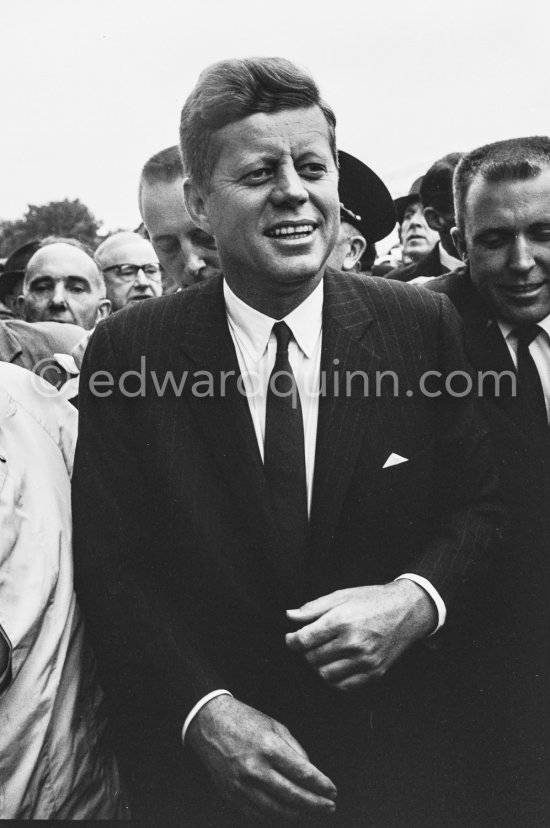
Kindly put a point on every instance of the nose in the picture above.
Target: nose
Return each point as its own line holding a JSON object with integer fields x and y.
{"x": 195, "y": 262}
{"x": 289, "y": 187}
{"x": 58, "y": 295}
{"x": 417, "y": 219}
{"x": 141, "y": 279}
{"x": 521, "y": 257}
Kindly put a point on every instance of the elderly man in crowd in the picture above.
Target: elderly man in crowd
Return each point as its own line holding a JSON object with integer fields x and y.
{"x": 436, "y": 193}
{"x": 130, "y": 268}
{"x": 267, "y": 552}
{"x": 502, "y": 199}
{"x": 54, "y": 759}
{"x": 367, "y": 213}
{"x": 63, "y": 284}
{"x": 188, "y": 255}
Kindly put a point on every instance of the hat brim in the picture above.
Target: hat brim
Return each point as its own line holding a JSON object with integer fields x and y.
{"x": 403, "y": 202}
{"x": 8, "y": 279}
{"x": 366, "y": 196}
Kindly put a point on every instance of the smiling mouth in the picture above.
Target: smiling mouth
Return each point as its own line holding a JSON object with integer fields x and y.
{"x": 523, "y": 290}
{"x": 291, "y": 231}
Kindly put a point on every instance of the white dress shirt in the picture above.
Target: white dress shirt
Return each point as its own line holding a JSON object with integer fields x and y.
{"x": 256, "y": 347}
{"x": 539, "y": 350}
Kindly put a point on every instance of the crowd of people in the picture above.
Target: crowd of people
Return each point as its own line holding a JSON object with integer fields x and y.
{"x": 299, "y": 574}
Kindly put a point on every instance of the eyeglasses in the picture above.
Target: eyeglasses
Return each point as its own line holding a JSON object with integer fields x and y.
{"x": 128, "y": 272}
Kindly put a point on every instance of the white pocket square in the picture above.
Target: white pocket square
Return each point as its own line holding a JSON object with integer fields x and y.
{"x": 394, "y": 460}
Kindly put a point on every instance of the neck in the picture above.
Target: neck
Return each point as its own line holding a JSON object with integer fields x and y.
{"x": 276, "y": 305}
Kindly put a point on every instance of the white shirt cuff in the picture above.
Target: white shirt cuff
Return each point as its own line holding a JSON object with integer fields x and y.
{"x": 433, "y": 593}
{"x": 199, "y": 705}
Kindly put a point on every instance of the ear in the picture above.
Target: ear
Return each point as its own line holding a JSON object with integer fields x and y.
{"x": 459, "y": 243}
{"x": 103, "y": 309}
{"x": 20, "y": 302}
{"x": 195, "y": 204}
{"x": 434, "y": 219}
{"x": 357, "y": 246}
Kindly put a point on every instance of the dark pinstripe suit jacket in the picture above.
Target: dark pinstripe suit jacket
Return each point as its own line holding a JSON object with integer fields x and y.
{"x": 177, "y": 560}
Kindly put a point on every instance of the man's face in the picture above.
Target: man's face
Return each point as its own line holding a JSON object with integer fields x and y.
{"x": 417, "y": 238}
{"x": 507, "y": 241}
{"x": 272, "y": 203}
{"x": 187, "y": 254}
{"x": 124, "y": 286}
{"x": 350, "y": 246}
{"x": 63, "y": 284}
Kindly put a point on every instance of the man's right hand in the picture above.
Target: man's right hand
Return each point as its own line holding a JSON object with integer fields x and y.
{"x": 257, "y": 764}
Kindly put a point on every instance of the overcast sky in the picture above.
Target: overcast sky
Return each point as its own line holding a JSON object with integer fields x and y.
{"x": 91, "y": 88}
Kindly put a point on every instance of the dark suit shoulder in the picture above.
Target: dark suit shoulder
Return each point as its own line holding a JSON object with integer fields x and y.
{"x": 428, "y": 265}
{"x": 144, "y": 322}
{"x": 458, "y": 286}
{"x": 380, "y": 295}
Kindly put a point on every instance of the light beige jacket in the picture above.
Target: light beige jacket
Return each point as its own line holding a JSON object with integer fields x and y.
{"x": 53, "y": 763}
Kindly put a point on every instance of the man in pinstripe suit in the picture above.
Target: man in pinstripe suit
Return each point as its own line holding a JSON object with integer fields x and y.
{"x": 269, "y": 661}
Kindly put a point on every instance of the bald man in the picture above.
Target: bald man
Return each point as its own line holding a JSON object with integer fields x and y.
{"x": 130, "y": 267}
{"x": 63, "y": 284}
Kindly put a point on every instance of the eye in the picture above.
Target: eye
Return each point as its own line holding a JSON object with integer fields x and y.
{"x": 313, "y": 170}
{"x": 168, "y": 244}
{"x": 541, "y": 232}
{"x": 78, "y": 287}
{"x": 258, "y": 176}
{"x": 492, "y": 241}
{"x": 43, "y": 288}
{"x": 202, "y": 239}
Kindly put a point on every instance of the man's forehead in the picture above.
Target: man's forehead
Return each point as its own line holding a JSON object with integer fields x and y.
{"x": 125, "y": 250}
{"x": 163, "y": 207}
{"x": 297, "y": 130}
{"x": 508, "y": 202}
{"x": 61, "y": 261}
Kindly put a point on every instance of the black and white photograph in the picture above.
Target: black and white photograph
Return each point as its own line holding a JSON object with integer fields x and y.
{"x": 275, "y": 413}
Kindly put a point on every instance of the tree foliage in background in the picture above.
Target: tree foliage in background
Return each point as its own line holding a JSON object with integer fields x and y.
{"x": 71, "y": 219}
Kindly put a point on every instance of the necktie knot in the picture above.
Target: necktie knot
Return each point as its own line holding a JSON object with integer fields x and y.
{"x": 283, "y": 335}
{"x": 525, "y": 334}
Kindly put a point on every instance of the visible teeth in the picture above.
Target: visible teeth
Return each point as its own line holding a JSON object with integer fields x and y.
{"x": 292, "y": 231}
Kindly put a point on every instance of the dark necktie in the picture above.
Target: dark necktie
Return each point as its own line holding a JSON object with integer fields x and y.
{"x": 284, "y": 455}
{"x": 530, "y": 396}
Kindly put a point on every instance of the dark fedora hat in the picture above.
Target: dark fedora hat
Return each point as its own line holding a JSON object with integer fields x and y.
{"x": 15, "y": 266}
{"x": 365, "y": 200}
{"x": 412, "y": 196}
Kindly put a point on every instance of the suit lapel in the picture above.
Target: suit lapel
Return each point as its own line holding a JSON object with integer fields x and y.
{"x": 223, "y": 417}
{"x": 487, "y": 350}
{"x": 342, "y": 417}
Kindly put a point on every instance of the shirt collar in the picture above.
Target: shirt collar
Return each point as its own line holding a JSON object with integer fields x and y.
{"x": 447, "y": 260}
{"x": 507, "y": 328}
{"x": 254, "y": 327}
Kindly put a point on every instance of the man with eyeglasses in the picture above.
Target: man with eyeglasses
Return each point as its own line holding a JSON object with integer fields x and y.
{"x": 130, "y": 268}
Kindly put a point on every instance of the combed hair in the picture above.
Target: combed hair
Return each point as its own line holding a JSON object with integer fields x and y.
{"x": 164, "y": 166}
{"x": 515, "y": 159}
{"x": 234, "y": 89}
{"x": 436, "y": 188}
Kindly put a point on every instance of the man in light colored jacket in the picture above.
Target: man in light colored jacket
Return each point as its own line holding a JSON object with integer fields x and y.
{"x": 54, "y": 763}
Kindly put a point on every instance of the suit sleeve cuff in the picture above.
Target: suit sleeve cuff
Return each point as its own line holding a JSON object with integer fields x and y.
{"x": 434, "y": 595}
{"x": 199, "y": 705}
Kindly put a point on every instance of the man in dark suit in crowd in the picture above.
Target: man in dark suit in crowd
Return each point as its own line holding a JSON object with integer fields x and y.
{"x": 502, "y": 197}
{"x": 259, "y": 540}
{"x": 436, "y": 203}
{"x": 187, "y": 255}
